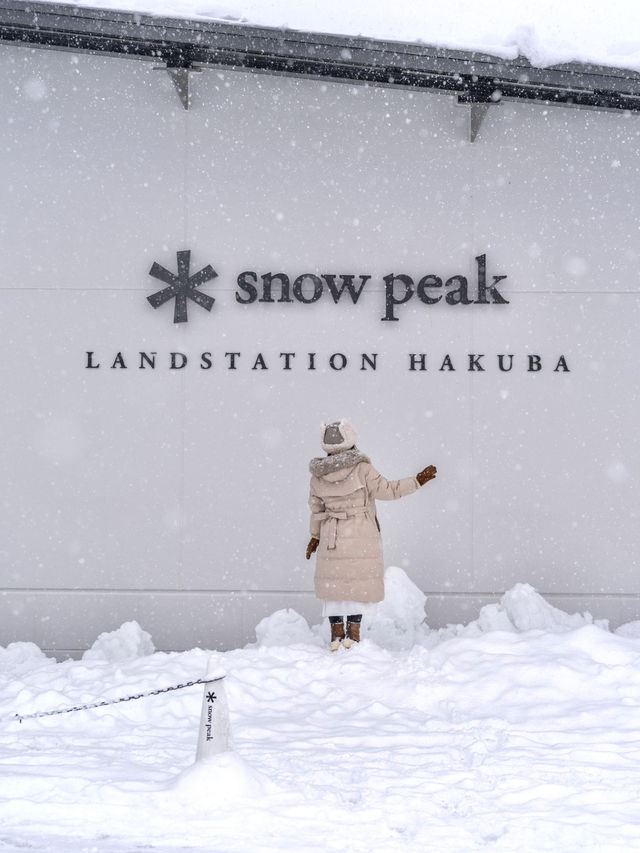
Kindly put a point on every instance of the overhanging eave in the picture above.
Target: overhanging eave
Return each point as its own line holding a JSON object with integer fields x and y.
{"x": 474, "y": 77}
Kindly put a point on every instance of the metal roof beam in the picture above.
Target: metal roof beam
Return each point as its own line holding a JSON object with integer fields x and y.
{"x": 477, "y": 78}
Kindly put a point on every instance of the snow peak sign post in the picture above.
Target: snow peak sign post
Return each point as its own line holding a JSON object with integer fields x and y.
{"x": 215, "y": 731}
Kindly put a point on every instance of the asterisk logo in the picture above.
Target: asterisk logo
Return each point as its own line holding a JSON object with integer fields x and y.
{"x": 211, "y": 697}
{"x": 182, "y": 287}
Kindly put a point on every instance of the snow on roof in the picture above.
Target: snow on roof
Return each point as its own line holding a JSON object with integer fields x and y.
{"x": 546, "y": 32}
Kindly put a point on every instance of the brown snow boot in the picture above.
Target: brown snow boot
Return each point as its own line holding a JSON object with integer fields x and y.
{"x": 353, "y": 634}
{"x": 337, "y": 635}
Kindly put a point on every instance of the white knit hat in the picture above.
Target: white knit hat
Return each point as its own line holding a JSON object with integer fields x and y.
{"x": 337, "y": 436}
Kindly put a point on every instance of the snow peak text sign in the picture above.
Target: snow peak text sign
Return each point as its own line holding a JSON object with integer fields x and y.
{"x": 414, "y": 362}
{"x": 307, "y": 288}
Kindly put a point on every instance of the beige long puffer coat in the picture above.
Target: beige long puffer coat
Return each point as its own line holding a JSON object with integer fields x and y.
{"x": 344, "y": 489}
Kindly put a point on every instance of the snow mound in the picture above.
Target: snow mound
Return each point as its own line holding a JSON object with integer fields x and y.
{"x": 20, "y": 657}
{"x": 399, "y": 620}
{"x": 630, "y": 630}
{"x": 128, "y": 642}
{"x": 523, "y": 609}
{"x": 219, "y": 779}
{"x": 283, "y": 628}
{"x": 398, "y": 623}
{"x": 505, "y": 740}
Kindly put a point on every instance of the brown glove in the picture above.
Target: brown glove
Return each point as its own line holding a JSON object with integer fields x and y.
{"x": 428, "y": 474}
{"x": 311, "y": 547}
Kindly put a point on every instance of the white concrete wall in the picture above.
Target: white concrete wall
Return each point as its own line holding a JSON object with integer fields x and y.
{"x": 178, "y": 498}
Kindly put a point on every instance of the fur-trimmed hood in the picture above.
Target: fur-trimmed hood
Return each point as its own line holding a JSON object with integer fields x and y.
{"x": 323, "y": 465}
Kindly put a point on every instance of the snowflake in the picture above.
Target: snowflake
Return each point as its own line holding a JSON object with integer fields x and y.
{"x": 182, "y": 287}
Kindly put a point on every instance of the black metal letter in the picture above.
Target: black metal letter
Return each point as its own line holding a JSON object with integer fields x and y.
{"x": 459, "y": 296}
{"x": 347, "y": 284}
{"x": 474, "y": 362}
{"x": 317, "y": 288}
{"x": 174, "y": 360}
{"x": 535, "y": 364}
{"x": 415, "y": 358}
{"x": 250, "y": 289}
{"x": 447, "y": 364}
{"x": 390, "y": 299}
{"x": 429, "y": 281}
{"x": 267, "y": 280}
{"x": 370, "y": 360}
{"x": 497, "y": 297}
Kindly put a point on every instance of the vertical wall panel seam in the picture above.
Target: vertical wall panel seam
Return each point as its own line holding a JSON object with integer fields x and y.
{"x": 472, "y": 412}
{"x": 182, "y": 514}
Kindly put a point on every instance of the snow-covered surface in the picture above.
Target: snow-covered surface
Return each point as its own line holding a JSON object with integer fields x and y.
{"x": 544, "y": 31}
{"x": 519, "y": 731}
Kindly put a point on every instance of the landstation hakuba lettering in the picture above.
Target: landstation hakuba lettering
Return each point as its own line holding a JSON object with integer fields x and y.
{"x": 310, "y": 361}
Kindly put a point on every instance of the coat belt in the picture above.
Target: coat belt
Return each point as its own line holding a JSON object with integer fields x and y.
{"x": 333, "y": 517}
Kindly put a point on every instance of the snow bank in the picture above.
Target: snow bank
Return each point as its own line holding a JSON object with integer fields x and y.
{"x": 543, "y": 31}
{"x": 283, "y": 628}
{"x": 223, "y": 779}
{"x": 519, "y": 731}
{"x": 524, "y": 609}
{"x": 127, "y": 643}
{"x": 21, "y": 657}
{"x": 399, "y": 621}
{"x": 630, "y": 629}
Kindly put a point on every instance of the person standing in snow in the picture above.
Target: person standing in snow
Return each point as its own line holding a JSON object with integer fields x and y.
{"x": 349, "y": 576}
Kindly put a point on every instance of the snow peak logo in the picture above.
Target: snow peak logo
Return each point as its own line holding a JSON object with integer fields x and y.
{"x": 307, "y": 288}
{"x": 182, "y": 287}
{"x": 211, "y": 698}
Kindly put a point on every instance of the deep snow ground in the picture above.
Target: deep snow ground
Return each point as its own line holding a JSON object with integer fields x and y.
{"x": 518, "y": 732}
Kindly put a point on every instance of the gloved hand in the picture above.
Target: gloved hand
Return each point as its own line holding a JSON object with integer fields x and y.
{"x": 427, "y": 474}
{"x": 311, "y": 547}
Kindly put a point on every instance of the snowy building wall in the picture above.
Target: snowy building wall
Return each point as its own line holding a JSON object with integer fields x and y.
{"x": 178, "y": 496}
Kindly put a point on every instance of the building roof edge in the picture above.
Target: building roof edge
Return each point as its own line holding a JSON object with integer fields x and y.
{"x": 186, "y": 43}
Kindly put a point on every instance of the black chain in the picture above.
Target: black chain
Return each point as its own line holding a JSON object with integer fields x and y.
{"x": 157, "y": 692}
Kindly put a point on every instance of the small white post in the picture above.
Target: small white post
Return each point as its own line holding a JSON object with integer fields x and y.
{"x": 215, "y": 731}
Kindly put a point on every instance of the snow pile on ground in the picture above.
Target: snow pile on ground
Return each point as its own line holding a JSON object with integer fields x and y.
{"x": 282, "y": 628}
{"x": 543, "y": 31}
{"x": 223, "y": 779}
{"x": 520, "y": 732}
{"x": 19, "y": 657}
{"x": 128, "y": 642}
{"x": 399, "y": 622}
{"x": 631, "y": 629}
{"x": 523, "y": 609}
